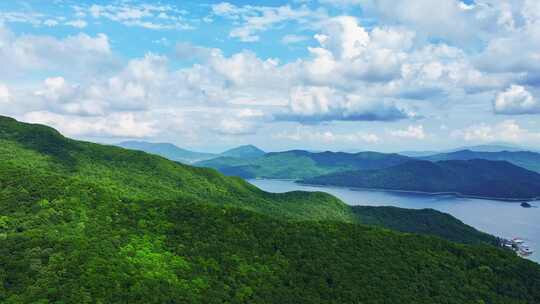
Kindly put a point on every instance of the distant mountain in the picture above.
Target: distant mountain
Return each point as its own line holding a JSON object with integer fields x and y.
{"x": 491, "y": 148}
{"x": 167, "y": 150}
{"x": 418, "y": 153}
{"x": 299, "y": 164}
{"x": 247, "y": 151}
{"x": 495, "y": 147}
{"x": 525, "y": 159}
{"x": 485, "y": 178}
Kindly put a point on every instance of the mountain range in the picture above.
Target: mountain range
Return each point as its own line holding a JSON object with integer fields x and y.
{"x": 88, "y": 223}
{"x": 494, "y": 147}
{"x": 298, "y": 164}
{"x": 477, "y": 177}
{"x": 424, "y": 173}
{"x": 175, "y": 153}
{"x": 526, "y": 159}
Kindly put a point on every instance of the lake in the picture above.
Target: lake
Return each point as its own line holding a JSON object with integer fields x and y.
{"x": 504, "y": 219}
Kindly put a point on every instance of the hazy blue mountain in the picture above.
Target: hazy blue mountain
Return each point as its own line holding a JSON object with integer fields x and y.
{"x": 168, "y": 151}
{"x": 418, "y": 153}
{"x": 486, "y": 178}
{"x": 300, "y": 164}
{"x": 525, "y": 159}
{"x": 496, "y": 147}
{"x": 247, "y": 151}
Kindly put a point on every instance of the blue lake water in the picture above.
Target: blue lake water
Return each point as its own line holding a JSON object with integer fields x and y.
{"x": 504, "y": 219}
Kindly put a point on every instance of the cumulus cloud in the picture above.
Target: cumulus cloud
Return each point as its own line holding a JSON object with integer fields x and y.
{"x": 449, "y": 20}
{"x": 411, "y": 132}
{"x": 516, "y": 100}
{"x": 508, "y": 131}
{"x": 414, "y": 59}
{"x": 316, "y": 104}
{"x": 79, "y": 53}
{"x": 125, "y": 125}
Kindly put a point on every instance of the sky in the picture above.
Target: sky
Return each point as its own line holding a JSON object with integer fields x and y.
{"x": 348, "y": 75}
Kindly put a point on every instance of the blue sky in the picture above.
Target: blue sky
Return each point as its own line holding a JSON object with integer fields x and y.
{"x": 322, "y": 74}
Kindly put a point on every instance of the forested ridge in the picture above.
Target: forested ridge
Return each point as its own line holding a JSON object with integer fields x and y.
{"x": 87, "y": 223}
{"x": 474, "y": 177}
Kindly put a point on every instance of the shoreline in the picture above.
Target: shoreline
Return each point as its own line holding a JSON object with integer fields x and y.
{"x": 456, "y": 194}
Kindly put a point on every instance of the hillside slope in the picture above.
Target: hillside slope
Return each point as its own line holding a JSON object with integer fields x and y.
{"x": 299, "y": 164}
{"x": 85, "y": 223}
{"x": 495, "y": 179}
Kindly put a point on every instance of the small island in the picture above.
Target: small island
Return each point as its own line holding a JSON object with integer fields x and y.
{"x": 526, "y": 205}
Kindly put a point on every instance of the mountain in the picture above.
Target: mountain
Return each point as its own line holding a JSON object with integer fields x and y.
{"x": 299, "y": 164}
{"x": 418, "y": 153}
{"x": 247, "y": 151}
{"x": 525, "y": 159}
{"x": 492, "y": 148}
{"x": 167, "y": 150}
{"x": 495, "y": 147}
{"x": 88, "y": 223}
{"x": 484, "y": 178}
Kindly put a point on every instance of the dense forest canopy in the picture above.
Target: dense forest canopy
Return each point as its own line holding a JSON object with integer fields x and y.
{"x": 87, "y": 223}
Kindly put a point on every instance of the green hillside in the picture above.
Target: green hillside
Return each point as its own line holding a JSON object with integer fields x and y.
{"x": 86, "y": 223}
{"x": 426, "y": 221}
{"x": 299, "y": 164}
{"x": 494, "y": 179}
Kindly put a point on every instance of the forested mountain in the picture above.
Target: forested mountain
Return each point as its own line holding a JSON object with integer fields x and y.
{"x": 247, "y": 151}
{"x": 167, "y": 150}
{"x": 175, "y": 153}
{"x": 485, "y": 178}
{"x": 299, "y": 164}
{"x": 87, "y": 223}
{"x": 526, "y": 159}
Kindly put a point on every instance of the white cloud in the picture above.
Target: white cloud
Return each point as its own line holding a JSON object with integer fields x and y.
{"x": 145, "y": 15}
{"x": 327, "y": 137}
{"x": 50, "y": 22}
{"x": 508, "y": 131}
{"x": 316, "y": 104}
{"x": 4, "y": 93}
{"x": 79, "y": 54}
{"x": 235, "y": 127}
{"x": 412, "y": 132}
{"x": 113, "y": 125}
{"x": 449, "y": 20}
{"x": 516, "y": 100}
{"x": 256, "y": 19}
{"x": 77, "y": 23}
{"x": 292, "y": 39}
{"x": 249, "y": 113}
